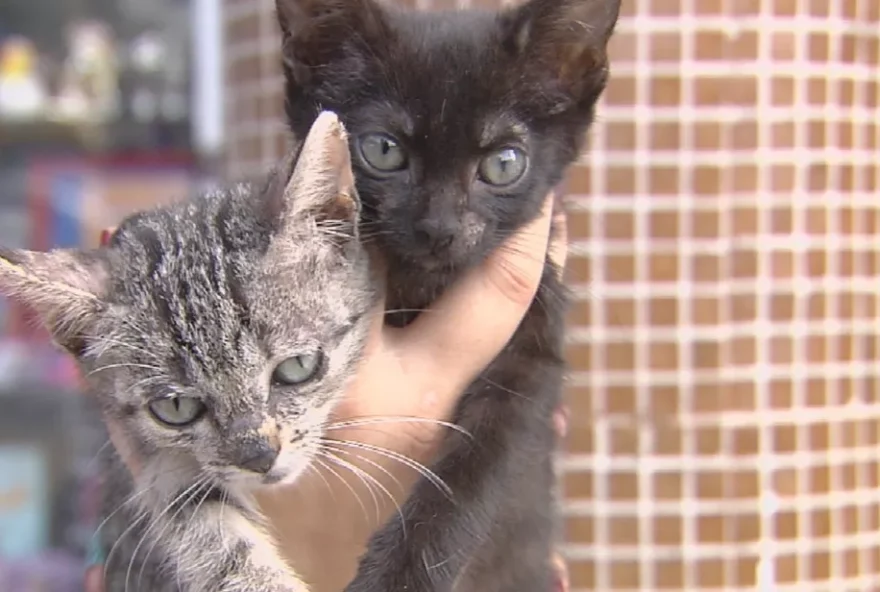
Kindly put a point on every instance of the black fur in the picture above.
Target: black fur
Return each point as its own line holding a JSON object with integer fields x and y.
{"x": 451, "y": 87}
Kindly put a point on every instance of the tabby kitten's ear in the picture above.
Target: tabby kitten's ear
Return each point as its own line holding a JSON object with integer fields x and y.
{"x": 316, "y": 33}
{"x": 62, "y": 287}
{"x": 321, "y": 189}
{"x": 565, "y": 39}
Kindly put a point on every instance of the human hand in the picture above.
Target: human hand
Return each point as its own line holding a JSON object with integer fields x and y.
{"x": 397, "y": 408}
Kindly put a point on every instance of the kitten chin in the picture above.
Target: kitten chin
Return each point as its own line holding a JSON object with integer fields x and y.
{"x": 289, "y": 466}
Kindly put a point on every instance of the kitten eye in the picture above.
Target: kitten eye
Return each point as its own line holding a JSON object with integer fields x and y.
{"x": 504, "y": 167}
{"x": 177, "y": 411}
{"x": 382, "y": 152}
{"x": 297, "y": 370}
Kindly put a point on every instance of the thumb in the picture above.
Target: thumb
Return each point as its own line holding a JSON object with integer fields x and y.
{"x": 469, "y": 325}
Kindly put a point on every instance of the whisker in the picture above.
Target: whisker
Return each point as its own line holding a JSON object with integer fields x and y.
{"x": 198, "y": 483}
{"x": 366, "y": 237}
{"x": 385, "y": 419}
{"x": 223, "y": 501}
{"x": 365, "y": 478}
{"x": 402, "y": 310}
{"x": 317, "y": 471}
{"x": 325, "y": 454}
{"x": 427, "y": 473}
{"x": 141, "y": 515}
{"x": 195, "y": 510}
{"x": 142, "y": 382}
{"x": 378, "y": 483}
{"x": 97, "y": 455}
{"x": 503, "y": 388}
{"x": 131, "y": 498}
{"x": 124, "y": 365}
{"x": 201, "y": 482}
{"x": 105, "y": 342}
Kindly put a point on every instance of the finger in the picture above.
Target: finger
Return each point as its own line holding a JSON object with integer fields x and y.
{"x": 561, "y": 569}
{"x": 558, "y": 250}
{"x": 560, "y": 421}
{"x": 467, "y": 327}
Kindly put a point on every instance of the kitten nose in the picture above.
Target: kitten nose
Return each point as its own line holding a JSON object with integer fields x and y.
{"x": 257, "y": 455}
{"x": 434, "y": 234}
{"x": 254, "y": 443}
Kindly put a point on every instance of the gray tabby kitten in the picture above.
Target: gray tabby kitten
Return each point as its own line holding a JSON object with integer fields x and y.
{"x": 218, "y": 333}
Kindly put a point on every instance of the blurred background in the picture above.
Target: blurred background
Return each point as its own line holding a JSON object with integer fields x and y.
{"x": 725, "y": 259}
{"x": 106, "y": 106}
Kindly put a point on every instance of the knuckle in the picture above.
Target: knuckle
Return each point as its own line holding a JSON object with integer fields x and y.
{"x": 514, "y": 283}
{"x": 419, "y": 441}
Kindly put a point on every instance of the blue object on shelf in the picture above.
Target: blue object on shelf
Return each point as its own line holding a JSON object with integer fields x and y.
{"x": 67, "y": 199}
{"x": 24, "y": 501}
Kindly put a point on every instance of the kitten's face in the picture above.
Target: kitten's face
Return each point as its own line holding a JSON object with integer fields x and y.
{"x": 219, "y": 332}
{"x": 460, "y": 122}
{"x": 231, "y": 356}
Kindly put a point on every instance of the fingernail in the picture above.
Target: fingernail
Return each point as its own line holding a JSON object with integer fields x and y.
{"x": 105, "y": 237}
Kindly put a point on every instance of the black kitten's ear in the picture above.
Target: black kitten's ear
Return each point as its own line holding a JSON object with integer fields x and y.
{"x": 62, "y": 287}
{"x": 321, "y": 187}
{"x": 317, "y": 32}
{"x": 566, "y": 39}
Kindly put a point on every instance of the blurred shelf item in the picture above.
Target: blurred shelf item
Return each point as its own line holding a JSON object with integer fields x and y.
{"x": 40, "y": 133}
{"x": 49, "y": 438}
{"x": 24, "y": 503}
{"x": 53, "y": 571}
{"x": 121, "y": 81}
{"x": 96, "y": 121}
{"x": 22, "y": 91}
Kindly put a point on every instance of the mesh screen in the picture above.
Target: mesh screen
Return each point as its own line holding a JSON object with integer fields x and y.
{"x": 725, "y": 257}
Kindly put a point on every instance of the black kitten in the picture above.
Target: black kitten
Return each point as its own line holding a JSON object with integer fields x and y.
{"x": 460, "y": 123}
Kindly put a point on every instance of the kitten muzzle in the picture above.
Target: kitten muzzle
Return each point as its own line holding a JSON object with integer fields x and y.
{"x": 257, "y": 455}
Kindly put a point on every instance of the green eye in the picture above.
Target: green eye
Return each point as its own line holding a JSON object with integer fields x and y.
{"x": 382, "y": 152}
{"x": 297, "y": 370}
{"x": 177, "y": 412}
{"x": 504, "y": 167}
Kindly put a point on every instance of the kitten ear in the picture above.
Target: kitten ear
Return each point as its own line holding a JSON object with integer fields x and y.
{"x": 322, "y": 187}
{"x": 62, "y": 287}
{"x": 315, "y": 32}
{"x": 566, "y": 39}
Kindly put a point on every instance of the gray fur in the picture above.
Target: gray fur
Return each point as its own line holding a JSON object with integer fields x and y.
{"x": 203, "y": 298}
